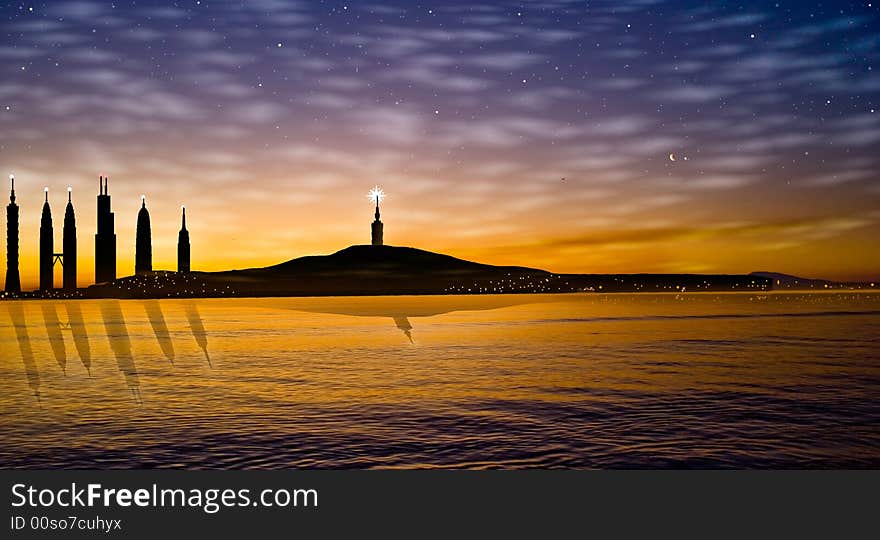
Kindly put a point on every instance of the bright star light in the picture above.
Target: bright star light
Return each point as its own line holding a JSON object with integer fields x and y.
{"x": 376, "y": 194}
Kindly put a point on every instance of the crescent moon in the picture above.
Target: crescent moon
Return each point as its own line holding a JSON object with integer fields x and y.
{"x": 671, "y": 157}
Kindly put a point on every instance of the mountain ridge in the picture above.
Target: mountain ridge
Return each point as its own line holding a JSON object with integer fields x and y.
{"x": 380, "y": 257}
{"x": 367, "y": 270}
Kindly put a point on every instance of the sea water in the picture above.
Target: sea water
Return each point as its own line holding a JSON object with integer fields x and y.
{"x": 511, "y": 381}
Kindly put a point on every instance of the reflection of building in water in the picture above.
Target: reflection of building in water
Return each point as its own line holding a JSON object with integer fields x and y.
{"x": 80, "y": 336}
{"x": 160, "y": 329}
{"x": 402, "y": 309}
{"x": 120, "y": 344}
{"x": 198, "y": 329}
{"x": 53, "y": 331}
{"x": 402, "y": 322}
{"x": 16, "y": 312}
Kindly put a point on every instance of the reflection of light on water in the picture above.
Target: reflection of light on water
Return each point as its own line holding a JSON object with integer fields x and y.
{"x": 495, "y": 381}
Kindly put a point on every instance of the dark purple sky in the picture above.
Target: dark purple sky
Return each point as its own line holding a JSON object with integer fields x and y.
{"x": 538, "y": 133}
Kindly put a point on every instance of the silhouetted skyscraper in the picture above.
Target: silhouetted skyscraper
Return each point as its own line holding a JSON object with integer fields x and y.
{"x": 143, "y": 249}
{"x": 377, "y": 227}
{"x": 69, "y": 245}
{"x": 105, "y": 239}
{"x": 47, "y": 247}
{"x": 183, "y": 245}
{"x": 13, "y": 280}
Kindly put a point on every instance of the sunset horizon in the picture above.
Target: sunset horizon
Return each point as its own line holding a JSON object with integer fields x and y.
{"x": 550, "y": 136}
{"x": 455, "y": 244}
{"x": 553, "y": 254}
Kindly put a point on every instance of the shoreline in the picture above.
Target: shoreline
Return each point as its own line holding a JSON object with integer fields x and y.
{"x": 866, "y": 290}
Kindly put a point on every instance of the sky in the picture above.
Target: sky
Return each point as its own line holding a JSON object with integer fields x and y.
{"x": 602, "y": 136}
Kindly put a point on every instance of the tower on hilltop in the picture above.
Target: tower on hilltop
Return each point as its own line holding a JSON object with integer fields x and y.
{"x": 377, "y": 228}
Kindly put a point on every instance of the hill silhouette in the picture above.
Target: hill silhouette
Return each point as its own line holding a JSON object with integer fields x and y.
{"x": 366, "y": 270}
{"x": 384, "y": 259}
{"x": 391, "y": 270}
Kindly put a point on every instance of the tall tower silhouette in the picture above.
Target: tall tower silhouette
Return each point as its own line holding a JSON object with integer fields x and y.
{"x": 69, "y": 245}
{"x": 377, "y": 227}
{"x": 143, "y": 249}
{"x": 183, "y": 244}
{"x": 105, "y": 239}
{"x": 47, "y": 246}
{"x": 13, "y": 280}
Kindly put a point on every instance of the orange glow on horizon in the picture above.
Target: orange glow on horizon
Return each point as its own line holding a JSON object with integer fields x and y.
{"x": 255, "y": 228}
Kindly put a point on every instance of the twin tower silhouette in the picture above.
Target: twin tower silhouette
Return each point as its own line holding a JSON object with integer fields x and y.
{"x": 105, "y": 243}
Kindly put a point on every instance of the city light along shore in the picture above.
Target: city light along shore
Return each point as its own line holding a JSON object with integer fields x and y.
{"x": 369, "y": 270}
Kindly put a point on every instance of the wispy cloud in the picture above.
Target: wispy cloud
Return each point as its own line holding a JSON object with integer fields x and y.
{"x": 555, "y": 114}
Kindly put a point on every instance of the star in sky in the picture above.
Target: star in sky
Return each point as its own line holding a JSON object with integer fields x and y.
{"x": 469, "y": 112}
